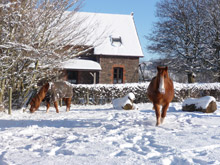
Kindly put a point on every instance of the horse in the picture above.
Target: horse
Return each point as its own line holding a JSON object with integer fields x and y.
{"x": 52, "y": 92}
{"x": 161, "y": 92}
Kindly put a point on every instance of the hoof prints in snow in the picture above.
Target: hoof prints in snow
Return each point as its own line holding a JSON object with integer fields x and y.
{"x": 102, "y": 135}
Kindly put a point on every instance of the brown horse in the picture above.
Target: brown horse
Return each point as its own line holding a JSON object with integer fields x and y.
{"x": 53, "y": 92}
{"x": 161, "y": 92}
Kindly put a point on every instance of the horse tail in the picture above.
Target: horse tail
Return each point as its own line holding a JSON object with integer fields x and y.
{"x": 35, "y": 102}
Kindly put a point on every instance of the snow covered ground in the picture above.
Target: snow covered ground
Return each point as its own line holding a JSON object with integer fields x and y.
{"x": 101, "y": 135}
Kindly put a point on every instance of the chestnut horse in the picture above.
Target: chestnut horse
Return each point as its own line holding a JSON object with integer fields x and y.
{"x": 53, "y": 92}
{"x": 161, "y": 92}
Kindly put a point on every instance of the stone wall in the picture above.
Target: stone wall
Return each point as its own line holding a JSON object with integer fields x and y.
{"x": 105, "y": 93}
{"x": 196, "y": 90}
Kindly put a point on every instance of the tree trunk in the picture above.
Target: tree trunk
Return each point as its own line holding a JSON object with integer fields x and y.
{"x": 25, "y": 95}
{"x": 218, "y": 79}
{"x": 2, "y": 88}
{"x": 191, "y": 77}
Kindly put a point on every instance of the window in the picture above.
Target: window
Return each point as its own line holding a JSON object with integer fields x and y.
{"x": 118, "y": 75}
{"x": 72, "y": 77}
{"x": 116, "y": 41}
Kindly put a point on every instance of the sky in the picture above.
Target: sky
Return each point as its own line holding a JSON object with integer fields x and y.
{"x": 144, "y": 15}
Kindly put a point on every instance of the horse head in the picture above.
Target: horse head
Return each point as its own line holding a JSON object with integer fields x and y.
{"x": 33, "y": 107}
{"x": 162, "y": 76}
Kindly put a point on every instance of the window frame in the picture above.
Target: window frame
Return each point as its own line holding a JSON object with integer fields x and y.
{"x": 118, "y": 75}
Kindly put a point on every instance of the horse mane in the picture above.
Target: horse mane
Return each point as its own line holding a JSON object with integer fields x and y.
{"x": 35, "y": 102}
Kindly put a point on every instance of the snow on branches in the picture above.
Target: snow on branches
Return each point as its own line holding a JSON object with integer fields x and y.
{"x": 188, "y": 34}
{"x": 36, "y": 36}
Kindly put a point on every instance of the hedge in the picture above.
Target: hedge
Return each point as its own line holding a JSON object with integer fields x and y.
{"x": 105, "y": 93}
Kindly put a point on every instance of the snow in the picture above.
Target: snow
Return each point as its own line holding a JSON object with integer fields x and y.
{"x": 131, "y": 96}
{"x": 119, "y": 103}
{"x": 103, "y": 135}
{"x": 107, "y": 26}
{"x": 81, "y": 64}
{"x": 199, "y": 86}
{"x": 177, "y": 86}
{"x": 202, "y": 102}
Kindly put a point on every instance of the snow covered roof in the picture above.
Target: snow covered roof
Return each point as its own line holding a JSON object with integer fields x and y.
{"x": 118, "y": 35}
{"x": 81, "y": 64}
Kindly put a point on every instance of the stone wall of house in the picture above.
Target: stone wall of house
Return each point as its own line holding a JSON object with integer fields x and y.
{"x": 129, "y": 65}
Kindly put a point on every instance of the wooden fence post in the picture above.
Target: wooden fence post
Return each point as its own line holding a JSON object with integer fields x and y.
{"x": 32, "y": 80}
{"x": 1, "y": 96}
{"x": 10, "y": 101}
{"x": 2, "y": 90}
{"x": 87, "y": 97}
{"x": 188, "y": 92}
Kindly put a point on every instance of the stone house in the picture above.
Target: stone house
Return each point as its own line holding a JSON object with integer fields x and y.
{"x": 115, "y": 59}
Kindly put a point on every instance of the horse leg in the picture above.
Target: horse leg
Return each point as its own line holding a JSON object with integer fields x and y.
{"x": 56, "y": 106}
{"x": 157, "y": 111}
{"x": 68, "y": 102}
{"x": 48, "y": 106}
{"x": 64, "y": 99}
{"x": 164, "y": 112}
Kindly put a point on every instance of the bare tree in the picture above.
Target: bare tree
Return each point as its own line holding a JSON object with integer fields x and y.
{"x": 181, "y": 35}
{"x": 211, "y": 57}
{"x": 36, "y": 36}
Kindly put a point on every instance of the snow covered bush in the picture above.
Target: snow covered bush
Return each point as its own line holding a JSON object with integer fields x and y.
{"x": 196, "y": 90}
{"x": 105, "y": 93}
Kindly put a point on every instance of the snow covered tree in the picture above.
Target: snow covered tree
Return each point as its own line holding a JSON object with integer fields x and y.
{"x": 36, "y": 36}
{"x": 182, "y": 34}
{"x": 211, "y": 57}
